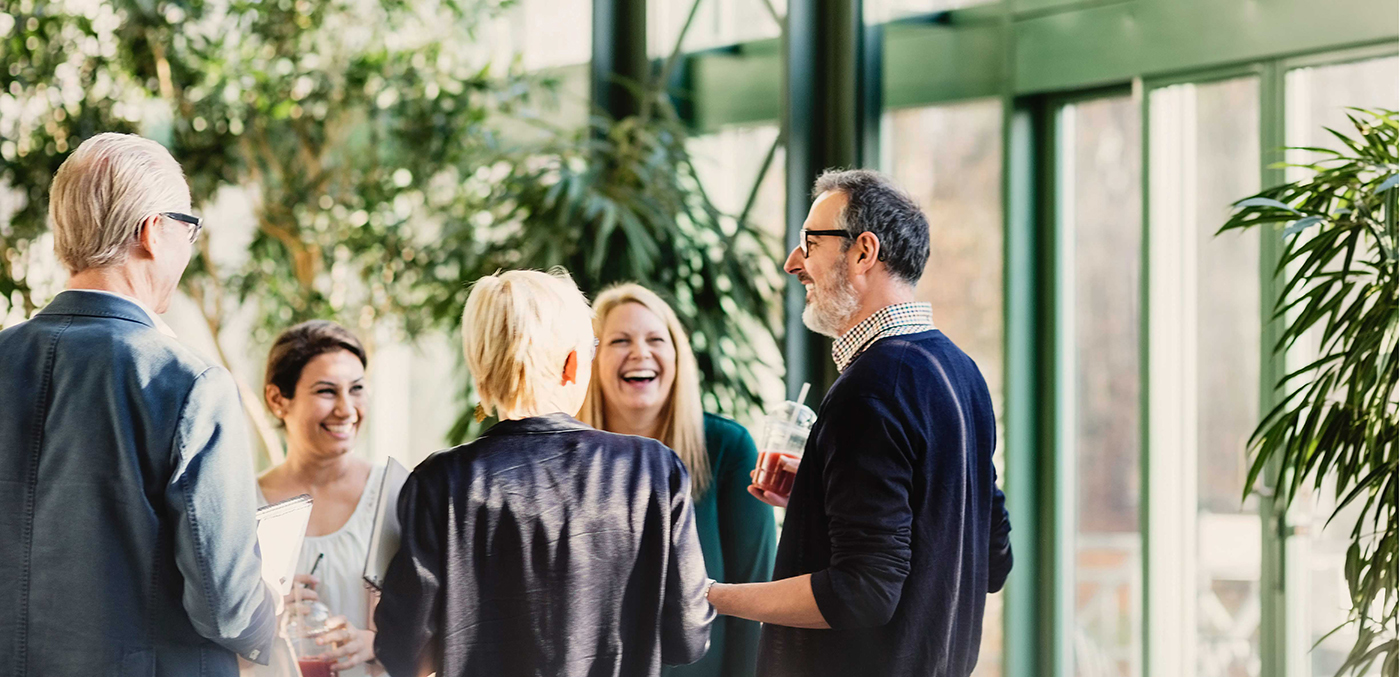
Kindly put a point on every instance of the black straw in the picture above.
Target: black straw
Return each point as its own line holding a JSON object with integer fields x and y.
{"x": 316, "y": 564}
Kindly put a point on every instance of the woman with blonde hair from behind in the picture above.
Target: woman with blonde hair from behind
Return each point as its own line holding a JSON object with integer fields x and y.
{"x": 544, "y": 547}
{"x": 646, "y": 382}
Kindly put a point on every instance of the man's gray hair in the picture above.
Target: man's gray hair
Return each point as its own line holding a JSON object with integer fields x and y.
{"x": 103, "y": 192}
{"x": 875, "y": 205}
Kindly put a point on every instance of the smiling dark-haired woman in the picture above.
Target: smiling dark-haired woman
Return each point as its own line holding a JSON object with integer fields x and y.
{"x": 315, "y": 386}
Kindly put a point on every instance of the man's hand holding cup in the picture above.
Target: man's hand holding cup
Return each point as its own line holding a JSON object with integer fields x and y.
{"x": 780, "y": 449}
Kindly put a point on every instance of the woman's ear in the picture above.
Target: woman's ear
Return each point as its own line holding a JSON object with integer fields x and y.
{"x": 275, "y": 401}
{"x": 570, "y": 368}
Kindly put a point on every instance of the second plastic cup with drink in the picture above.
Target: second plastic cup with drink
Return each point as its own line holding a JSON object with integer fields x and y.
{"x": 305, "y": 624}
{"x": 784, "y": 436}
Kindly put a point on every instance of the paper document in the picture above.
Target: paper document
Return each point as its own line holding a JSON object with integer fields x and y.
{"x": 281, "y": 530}
{"x": 384, "y": 538}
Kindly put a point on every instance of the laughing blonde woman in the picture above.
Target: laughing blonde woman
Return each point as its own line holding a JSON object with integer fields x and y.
{"x": 645, "y": 382}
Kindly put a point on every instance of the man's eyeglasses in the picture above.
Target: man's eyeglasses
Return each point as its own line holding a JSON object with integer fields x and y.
{"x": 196, "y": 223}
{"x": 802, "y": 243}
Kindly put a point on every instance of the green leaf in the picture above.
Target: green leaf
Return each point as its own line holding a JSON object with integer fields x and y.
{"x": 1352, "y": 566}
{"x": 1301, "y": 224}
{"x": 1259, "y": 201}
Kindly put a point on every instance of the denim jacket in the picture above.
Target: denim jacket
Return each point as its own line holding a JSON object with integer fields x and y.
{"x": 127, "y": 536}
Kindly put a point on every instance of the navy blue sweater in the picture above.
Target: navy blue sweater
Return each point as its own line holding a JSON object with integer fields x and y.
{"x": 896, "y": 514}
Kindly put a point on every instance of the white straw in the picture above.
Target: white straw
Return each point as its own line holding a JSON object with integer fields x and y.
{"x": 801, "y": 397}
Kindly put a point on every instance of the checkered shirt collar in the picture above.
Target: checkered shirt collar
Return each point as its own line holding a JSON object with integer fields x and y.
{"x": 892, "y": 320}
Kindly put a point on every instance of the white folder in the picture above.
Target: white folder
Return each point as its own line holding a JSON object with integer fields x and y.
{"x": 281, "y": 530}
{"x": 384, "y": 537}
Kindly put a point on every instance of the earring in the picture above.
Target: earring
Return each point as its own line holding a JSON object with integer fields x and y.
{"x": 480, "y": 413}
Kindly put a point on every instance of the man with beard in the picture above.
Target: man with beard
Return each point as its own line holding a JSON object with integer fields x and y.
{"x": 895, "y": 529}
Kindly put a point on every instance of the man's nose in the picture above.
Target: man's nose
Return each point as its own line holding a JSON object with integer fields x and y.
{"x": 793, "y": 265}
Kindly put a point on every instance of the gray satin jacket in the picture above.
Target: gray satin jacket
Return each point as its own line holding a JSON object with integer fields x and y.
{"x": 127, "y": 537}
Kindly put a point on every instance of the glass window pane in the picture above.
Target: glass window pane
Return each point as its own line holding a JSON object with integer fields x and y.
{"x": 1317, "y": 98}
{"x": 717, "y": 22}
{"x": 728, "y": 163}
{"x": 1229, "y": 534}
{"x": 552, "y": 33}
{"x": 1205, "y": 357}
{"x": 949, "y": 159}
{"x": 880, "y": 11}
{"x": 1100, "y": 207}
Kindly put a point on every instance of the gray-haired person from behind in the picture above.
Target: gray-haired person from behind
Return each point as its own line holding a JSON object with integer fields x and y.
{"x": 126, "y": 482}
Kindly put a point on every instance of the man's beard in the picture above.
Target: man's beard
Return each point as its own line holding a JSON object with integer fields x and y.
{"x": 834, "y": 303}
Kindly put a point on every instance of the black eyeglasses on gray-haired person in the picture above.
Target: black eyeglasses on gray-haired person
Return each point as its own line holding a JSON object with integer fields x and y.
{"x": 196, "y": 224}
{"x": 802, "y": 243}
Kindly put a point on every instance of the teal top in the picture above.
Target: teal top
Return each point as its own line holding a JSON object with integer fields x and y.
{"x": 738, "y": 538}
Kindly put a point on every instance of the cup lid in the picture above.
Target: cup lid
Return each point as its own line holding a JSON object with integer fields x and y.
{"x": 794, "y": 413}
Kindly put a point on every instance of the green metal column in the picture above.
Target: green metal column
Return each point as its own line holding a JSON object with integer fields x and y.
{"x": 1028, "y": 417}
{"x": 619, "y": 62}
{"x": 823, "y": 55}
{"x": 870, "y": 107}
{"x": 1273, "y": 625}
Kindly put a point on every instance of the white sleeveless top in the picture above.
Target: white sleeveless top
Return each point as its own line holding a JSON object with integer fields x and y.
{"x": 341, "y": 572}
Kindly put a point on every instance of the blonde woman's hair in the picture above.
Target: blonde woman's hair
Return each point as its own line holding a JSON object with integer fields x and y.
{"x": 103, "y": 192}
{"x": 517, "y": 331}
{"x": 683, "y": 417}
